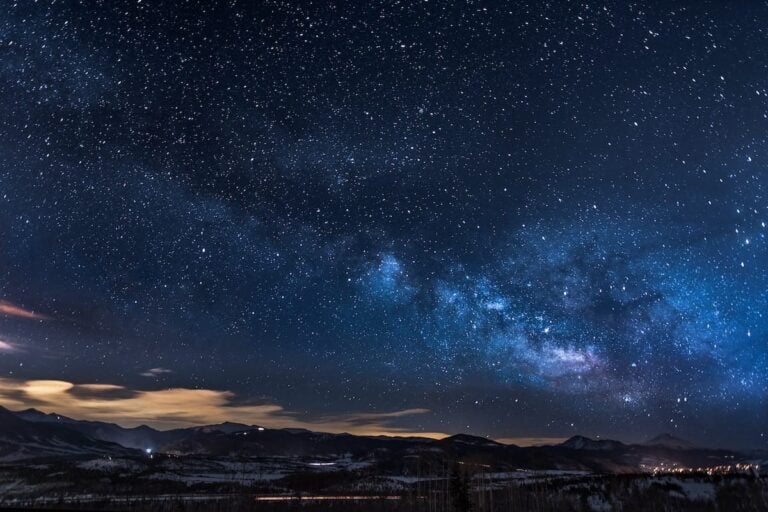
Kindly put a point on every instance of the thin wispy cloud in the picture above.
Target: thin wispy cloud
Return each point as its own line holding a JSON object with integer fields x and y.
{"x": 10, "y": 309}
{"x": 155, "y": 372}
{"x": 7, "y": 347}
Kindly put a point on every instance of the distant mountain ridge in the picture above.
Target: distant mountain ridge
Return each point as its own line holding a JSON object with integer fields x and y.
{"x": 670, "y": 441}
{"x": 141, "y": 437}
{"x": 31, "y": 433}
{"x": 22, "y": 439}
{"x": 585, "y": 443}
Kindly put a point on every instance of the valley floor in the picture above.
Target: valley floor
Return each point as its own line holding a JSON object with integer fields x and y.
{"x": 283, "y": 483}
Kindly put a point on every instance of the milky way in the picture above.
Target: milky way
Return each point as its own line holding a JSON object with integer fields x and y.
{"x": 521, "y": 220}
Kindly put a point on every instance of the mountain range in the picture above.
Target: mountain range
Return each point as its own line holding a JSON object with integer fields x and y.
{"x": 50, "y": 459}
{"x": 31, "y": 434}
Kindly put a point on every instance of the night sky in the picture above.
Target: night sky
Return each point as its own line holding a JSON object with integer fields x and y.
{"x": 522, "y": 221}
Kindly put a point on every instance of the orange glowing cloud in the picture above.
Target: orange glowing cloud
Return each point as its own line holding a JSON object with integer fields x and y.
{"x": 183, "y": 407}
{"x": 7, "y": 308}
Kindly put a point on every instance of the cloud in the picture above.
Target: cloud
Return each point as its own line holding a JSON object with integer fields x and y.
{"x": 7, "y": 346}
{"x": 155, "y": 372}
{"x": 183, "y": 407}
{"x": 7, "y": 308}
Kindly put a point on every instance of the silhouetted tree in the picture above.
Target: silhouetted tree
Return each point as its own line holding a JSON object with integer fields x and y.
{"x": 459, "y": 489}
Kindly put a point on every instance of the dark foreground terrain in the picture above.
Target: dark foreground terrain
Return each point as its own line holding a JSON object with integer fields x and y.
{"x": 457, "y": 491}
{"x": 57, "y": 463}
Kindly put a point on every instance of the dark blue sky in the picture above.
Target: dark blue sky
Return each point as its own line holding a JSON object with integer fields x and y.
{"x": 522, "y": 220}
